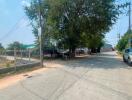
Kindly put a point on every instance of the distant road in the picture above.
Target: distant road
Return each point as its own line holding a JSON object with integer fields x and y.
{"x": 101, "y": 77}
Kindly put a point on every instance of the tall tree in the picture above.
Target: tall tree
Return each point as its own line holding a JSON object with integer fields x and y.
{"x": 33, "y": 13}
{"x": 74, "y": 22}
{"x": 74, "y": 18}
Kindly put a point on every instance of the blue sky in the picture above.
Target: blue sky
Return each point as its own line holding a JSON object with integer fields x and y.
{"x": 121, "y": 26}
{"x": 11, "y": 12}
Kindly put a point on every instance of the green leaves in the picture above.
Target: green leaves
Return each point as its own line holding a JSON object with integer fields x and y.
{"x": 123, "y": 42}
{"x": 76, "y": 17}
{"x": 16, "y": 45}
{"x": 74, "y": 23}
{"x": 1, "y": 47}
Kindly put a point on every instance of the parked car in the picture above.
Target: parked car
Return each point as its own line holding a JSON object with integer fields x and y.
{"x": 64, "y": 54}
{"x": 127, "y": 55}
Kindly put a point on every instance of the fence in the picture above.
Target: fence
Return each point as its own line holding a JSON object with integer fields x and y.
{"x": 17, "y": 59}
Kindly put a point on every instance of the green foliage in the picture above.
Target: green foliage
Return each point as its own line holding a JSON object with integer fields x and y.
{"x": 16, "y": 45}
{"x": 1, "y": 47}
{"x": 33, "y": 13}
{"x": 82, "y": 22}
{"x": 73, "y": 23}
{"x": 8, "y": 64}
{"x": 124, "y": 41}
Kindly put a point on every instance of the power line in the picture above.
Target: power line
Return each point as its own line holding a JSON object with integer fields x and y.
{"x": 12, "y": 29}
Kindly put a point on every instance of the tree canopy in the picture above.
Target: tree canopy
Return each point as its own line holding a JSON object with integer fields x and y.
{"x": 1, "y": 47}
{"x": 74, "y": 23}
{"x": 16, "y": 45}
{"x": 124, "y": 41}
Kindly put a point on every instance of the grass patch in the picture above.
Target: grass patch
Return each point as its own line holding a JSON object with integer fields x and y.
{"x": 6, "y": 63}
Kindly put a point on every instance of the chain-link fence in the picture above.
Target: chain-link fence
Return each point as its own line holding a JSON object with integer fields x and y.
{"x": 15, "y": 58}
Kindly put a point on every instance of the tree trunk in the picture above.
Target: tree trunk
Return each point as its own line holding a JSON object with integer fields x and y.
{"x": 99, "y": 49}
{"x": 93, "y": 50}
{"x": 72, "y": 52}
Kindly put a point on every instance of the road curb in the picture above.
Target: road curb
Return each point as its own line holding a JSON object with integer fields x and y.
{"x": 18, "y": 67}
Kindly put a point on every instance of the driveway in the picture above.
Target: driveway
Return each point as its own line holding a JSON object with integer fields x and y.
{"x": 101, "y": 77}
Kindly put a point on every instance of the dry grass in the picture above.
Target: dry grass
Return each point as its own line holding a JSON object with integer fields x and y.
{"x": 6, "y": 63}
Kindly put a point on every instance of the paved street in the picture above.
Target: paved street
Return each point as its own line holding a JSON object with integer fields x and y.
{"x": 102, "y": 77}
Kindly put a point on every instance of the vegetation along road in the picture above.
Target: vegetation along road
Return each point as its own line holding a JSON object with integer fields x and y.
{"x": 101, "y": 77}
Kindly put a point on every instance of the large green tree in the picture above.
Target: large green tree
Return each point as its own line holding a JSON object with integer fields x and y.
{"x": 73, "y": 23}
{"x": 79, "y": 20}
{"x": 33, "y": 12}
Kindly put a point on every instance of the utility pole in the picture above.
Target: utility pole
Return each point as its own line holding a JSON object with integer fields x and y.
{"x": 29, "y": 54}
{"x": 40, "y": 31}
{"x": 21, "y": 53}
{"x": 128, "y": 4}
{"x": 129, "y": 28}
{"x": 119, "y": 37}
{"x": 129, "y": 16}
{"x": 15, "y": 57}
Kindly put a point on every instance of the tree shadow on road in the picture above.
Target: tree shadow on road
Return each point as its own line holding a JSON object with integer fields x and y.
{"x": 101, "y": 61}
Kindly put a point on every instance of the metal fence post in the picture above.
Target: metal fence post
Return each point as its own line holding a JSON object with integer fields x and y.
{"x": 29, "y": 54}
{"x": 21, "y": 54}
{"x": 15, "y": 58}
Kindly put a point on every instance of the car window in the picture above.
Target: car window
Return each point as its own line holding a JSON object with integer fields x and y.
{"x": 127, "y": 51}
{"x": 130, "y": 50}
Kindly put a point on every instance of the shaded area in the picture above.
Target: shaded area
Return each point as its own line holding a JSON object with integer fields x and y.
{"x": 99, "y": 61}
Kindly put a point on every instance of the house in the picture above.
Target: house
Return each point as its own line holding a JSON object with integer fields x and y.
{"x": 107, "y": 47}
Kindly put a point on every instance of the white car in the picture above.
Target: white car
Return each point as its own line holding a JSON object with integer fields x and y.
{"x": 127, "y": 55}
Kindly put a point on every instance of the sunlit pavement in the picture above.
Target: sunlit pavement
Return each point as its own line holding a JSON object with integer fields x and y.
{"x": 101, "y": 77}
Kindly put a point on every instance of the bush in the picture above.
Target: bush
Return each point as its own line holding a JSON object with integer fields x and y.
{"x": 124, "y": 41}
{"x": 7, "y": 64}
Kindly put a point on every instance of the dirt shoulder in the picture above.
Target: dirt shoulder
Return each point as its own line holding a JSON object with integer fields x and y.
{"x": 13, "y": 79}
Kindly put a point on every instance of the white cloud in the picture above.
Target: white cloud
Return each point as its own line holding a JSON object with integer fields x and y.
{"x": 25, "y": 3}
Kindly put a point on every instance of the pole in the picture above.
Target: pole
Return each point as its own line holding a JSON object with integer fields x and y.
{"x": 40, "y": 39}
{"x": 29, "y": 54}
{"x": 5, "y": 54}
{"x": 130, "y": 16}
{"x": 21, "y": 53}
{"x": 15, "y": 58}
{"x": 129, "y": 28}
{"x": 119, "y": 37}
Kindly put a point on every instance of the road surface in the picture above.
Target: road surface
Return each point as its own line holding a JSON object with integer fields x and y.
{"x": 101, "y": 77}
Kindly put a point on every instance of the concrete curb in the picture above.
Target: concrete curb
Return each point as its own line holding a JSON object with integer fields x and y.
{"x": 18, "y": 67}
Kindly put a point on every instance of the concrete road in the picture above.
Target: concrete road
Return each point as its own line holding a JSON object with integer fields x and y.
{"x": 101, "y": 77}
